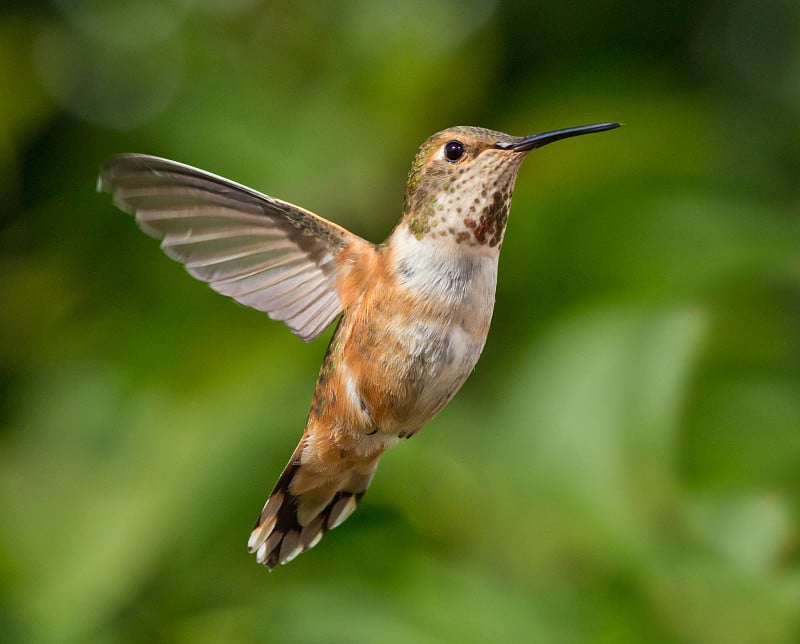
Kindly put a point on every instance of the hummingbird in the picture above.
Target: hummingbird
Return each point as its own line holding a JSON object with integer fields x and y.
{"x": 413, "y": 312}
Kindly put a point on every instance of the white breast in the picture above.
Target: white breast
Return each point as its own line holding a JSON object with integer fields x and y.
{"x": 462, "y": 279}
{"x": 458, "y": 283}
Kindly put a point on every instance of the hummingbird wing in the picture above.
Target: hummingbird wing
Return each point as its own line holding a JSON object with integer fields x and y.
{"x": 263, "y": 252}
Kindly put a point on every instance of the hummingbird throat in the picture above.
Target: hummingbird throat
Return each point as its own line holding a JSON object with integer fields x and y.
{"x": 468, "y": 202}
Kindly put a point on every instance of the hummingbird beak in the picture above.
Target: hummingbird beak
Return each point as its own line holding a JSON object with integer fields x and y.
{"x": 528, "y": 143}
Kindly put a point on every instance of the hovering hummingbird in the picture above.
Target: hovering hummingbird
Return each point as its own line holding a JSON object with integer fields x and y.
{"x": 413, "y": 312}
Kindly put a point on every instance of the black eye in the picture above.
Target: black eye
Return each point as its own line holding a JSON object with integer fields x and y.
{"x": 453, "y": 151}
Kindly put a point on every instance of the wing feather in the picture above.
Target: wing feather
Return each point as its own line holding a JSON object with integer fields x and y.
{"x": 263, "y": 252}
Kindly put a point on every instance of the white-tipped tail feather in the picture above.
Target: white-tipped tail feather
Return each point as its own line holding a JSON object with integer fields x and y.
{"x": 291, "y": 523}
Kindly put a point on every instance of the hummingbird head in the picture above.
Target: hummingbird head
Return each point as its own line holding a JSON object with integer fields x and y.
{"x": 461, "y": 181}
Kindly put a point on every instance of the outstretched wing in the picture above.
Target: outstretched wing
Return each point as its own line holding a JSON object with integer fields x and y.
{"x": 263, "y": 252}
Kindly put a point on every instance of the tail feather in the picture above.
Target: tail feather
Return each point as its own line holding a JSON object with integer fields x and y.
{"x": 303, "y": 506}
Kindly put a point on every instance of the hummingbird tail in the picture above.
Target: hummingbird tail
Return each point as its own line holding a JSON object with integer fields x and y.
{"x": 306, "y": 502}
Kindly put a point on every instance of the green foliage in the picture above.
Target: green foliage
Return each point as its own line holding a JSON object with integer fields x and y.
{"x": 624, "y": 464}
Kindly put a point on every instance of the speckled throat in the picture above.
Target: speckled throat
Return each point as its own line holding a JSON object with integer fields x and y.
{"x": 468, "y": 198}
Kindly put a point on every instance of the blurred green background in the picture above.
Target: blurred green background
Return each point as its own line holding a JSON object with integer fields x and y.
{"x": 623, "y": 465}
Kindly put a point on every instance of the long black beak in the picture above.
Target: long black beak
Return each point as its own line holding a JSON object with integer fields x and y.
{"x": 538, "y": 140}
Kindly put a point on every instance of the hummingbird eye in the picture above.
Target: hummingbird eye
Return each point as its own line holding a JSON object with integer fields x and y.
{"x": 453, "y": 151}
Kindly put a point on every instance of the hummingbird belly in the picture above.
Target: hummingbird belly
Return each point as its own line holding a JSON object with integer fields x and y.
{"x": 441, "y": 360}
{"x": 415, "y": 322}
{"x": 405, "y": 368}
